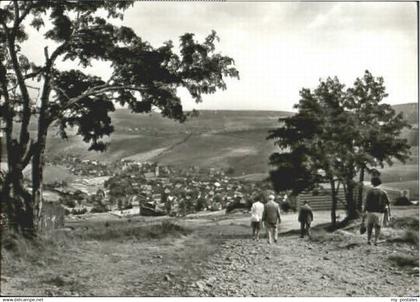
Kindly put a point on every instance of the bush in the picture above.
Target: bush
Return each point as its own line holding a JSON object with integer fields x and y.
{"x": 127, "y": 206}
{"x": 411, "y": 223}
{"x": 201, "y": 203}
{"x": 410, "y": 237}
{"x": 123, "y": 232}
{"x": 404, "y": 260}
{"x": 402, "y": 201}
{"x": 69, "y": 203}
{"x": 230, "y": 171}
{"x": 99, "y": 209}
{"x": 79, "y": 211}
{"x": 10, "y": 242}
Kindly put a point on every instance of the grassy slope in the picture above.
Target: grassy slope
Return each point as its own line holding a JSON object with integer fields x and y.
{"x": 409, "y": 110}
{"x": 121, "y": 146}
{"x": 213, "y": 139}
{"x": 404, "y": 176}
{"x": 245, "y": 151}
{"x": 123, "y": 258}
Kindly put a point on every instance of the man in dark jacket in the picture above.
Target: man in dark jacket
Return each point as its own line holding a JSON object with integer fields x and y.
{"x": 305, "y": 218}
{"x": 376, "y": 204}
{"x": 271, "y": 218}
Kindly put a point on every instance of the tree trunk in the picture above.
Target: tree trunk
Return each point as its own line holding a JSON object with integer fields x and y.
{"x": 351, "y": 204}
{"x": 18, "y": 202}
{"x": 7, "y": 204}
{"x": 19, "y": 206}
{"x": 38, "y": 162}
{"x": 360, "y": 193}
{"x": 37, "y": 172}
{"x": 334, "y": 203}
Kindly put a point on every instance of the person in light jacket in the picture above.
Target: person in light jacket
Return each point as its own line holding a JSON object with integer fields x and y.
{"x": 257, "y": 211}
{"x": 271, "y": 218}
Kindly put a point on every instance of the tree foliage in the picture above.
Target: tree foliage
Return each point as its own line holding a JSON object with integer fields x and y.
{"x": 142, "y": 78}
{"x": 335, "y": 135}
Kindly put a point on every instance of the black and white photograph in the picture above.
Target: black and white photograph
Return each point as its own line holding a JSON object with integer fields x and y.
{"x": 209, "y": 149}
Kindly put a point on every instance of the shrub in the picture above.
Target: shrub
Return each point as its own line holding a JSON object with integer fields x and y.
{"x": 127, "y": 206}
{"x": 79, "y": 211}
{"x": 10, "y": 241}
{"x": 230, "y": 171}
{"x": 68, "y": 202}
{"x": 410, "y": 237}
{"x": 405, "y": 223}
{"x": 402, "y": 201}
{"x": 123, "y": 232}
{"x": 98, "y": 209}
{"x": 200, "y": 204}
{"x": 320, "y": 236}
{"x": 404, "y": 260}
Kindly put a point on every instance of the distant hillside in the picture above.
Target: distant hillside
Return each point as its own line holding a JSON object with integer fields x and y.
{"x": 409, "y": 110}
{"x": 206, "y": 121}
{"x": 410, "y": 113}
{"x": 245, "y": 151}
{"x": 224, "y": 139}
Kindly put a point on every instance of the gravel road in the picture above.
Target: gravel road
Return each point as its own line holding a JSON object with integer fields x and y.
{"x": 219, "y": 258}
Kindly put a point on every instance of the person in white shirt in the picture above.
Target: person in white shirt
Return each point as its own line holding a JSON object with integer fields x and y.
{"x": 257, "y": 210}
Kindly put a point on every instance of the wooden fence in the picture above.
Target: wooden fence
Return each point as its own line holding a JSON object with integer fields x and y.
{"x": 322, "y": 201}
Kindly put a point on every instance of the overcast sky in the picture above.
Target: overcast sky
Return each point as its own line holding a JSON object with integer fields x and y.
{"x": 281, "y": 47}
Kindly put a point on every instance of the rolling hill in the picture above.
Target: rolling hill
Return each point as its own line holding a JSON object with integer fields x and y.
{"x": 221, "y": 139}
{"x": 410, "y": 112}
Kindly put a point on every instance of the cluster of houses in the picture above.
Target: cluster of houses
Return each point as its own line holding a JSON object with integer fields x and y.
{"x": 84, "y": 167}
{"x": 151, "y": 189}
{"x": 160, "y": 190}
{"x": 166, "y": 190}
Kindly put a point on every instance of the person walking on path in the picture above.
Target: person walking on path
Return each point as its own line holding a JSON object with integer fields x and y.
{"x": 375, "y": 207}
{"x": 257, "y": 211}
{"x": 271, "y": 218}
{"x": 305, "y": 218}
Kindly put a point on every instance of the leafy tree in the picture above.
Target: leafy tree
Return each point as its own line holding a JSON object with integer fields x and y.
{"x": 379, "y": 127}
{"x": 308, "y": 141}
{"x": 335, "y": 135}
{"x": 142, "y": 78}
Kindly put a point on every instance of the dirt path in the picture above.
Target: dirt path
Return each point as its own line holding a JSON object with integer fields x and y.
{"x": 219, "y": 259}
{"x": 342, "y": 265}
{"x": 295, "y": 267}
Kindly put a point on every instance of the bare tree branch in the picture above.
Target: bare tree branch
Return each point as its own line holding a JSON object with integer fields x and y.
{"x": 33, "y": 74}
{"x": 100, "y": 90}
{"x": 19, "y": 18}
